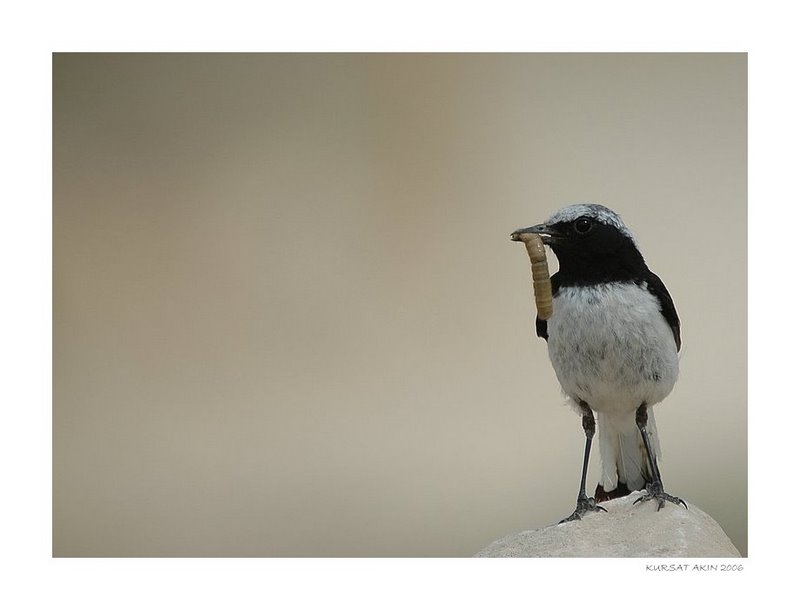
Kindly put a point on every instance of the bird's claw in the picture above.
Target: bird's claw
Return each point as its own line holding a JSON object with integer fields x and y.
{"x": 655, "y": 491}
{"x": 585, "y": 505}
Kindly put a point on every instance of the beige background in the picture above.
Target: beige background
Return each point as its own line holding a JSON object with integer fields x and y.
{"x": 288, "y": 320}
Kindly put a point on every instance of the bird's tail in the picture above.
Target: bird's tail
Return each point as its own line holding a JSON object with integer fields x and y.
{"x": 622, "y": 454}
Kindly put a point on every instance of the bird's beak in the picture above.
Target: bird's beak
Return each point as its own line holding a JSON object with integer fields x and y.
{"x": 548, "y": 233}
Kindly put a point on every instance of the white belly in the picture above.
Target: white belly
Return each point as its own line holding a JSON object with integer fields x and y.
{"x": 611, "y": 347}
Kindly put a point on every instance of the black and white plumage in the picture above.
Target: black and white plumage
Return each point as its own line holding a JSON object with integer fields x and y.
{"x": 613, "y": 340}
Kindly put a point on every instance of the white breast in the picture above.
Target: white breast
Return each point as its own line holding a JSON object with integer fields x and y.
{"x": 611, "y": 346}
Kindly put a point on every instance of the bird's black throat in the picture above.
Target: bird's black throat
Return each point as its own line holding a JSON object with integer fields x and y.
{"x": 579, "y": 267}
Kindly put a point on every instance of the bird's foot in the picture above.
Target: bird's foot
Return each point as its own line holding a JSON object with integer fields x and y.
{"x": 655, "y": 491}
{"x": 585, "y": 505}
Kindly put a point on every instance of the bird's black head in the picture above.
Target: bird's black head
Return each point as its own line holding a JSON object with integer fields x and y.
{"x": 592, "y": 245}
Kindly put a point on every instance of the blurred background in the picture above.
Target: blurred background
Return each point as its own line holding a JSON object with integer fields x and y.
{"x": 289, "y": 321}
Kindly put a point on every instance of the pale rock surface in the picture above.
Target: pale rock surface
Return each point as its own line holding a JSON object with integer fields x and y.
{"x": 624, "y": 531}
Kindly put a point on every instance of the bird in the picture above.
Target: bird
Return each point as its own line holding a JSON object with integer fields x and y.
{"x": 613, "y": 339}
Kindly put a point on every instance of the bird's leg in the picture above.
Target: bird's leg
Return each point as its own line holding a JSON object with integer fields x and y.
{"x": 585, "y": 504}
{"x": 655, "y": 489}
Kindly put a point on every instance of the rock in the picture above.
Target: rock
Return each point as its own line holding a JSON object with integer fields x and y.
{"x": 625, "y": 531}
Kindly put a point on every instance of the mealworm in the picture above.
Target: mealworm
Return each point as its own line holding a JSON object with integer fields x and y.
{"x": 542, "y": 289}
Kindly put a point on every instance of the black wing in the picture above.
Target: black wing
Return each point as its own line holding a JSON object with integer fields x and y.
{"x": 656, "y": 287}
{"x": 541, "y": 325}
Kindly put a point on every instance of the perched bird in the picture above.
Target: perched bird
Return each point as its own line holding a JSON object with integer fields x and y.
{"x": 613, "y": 339}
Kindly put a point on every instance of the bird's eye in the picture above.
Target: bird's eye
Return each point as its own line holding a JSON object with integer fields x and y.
{"x": 583, "y": 225}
